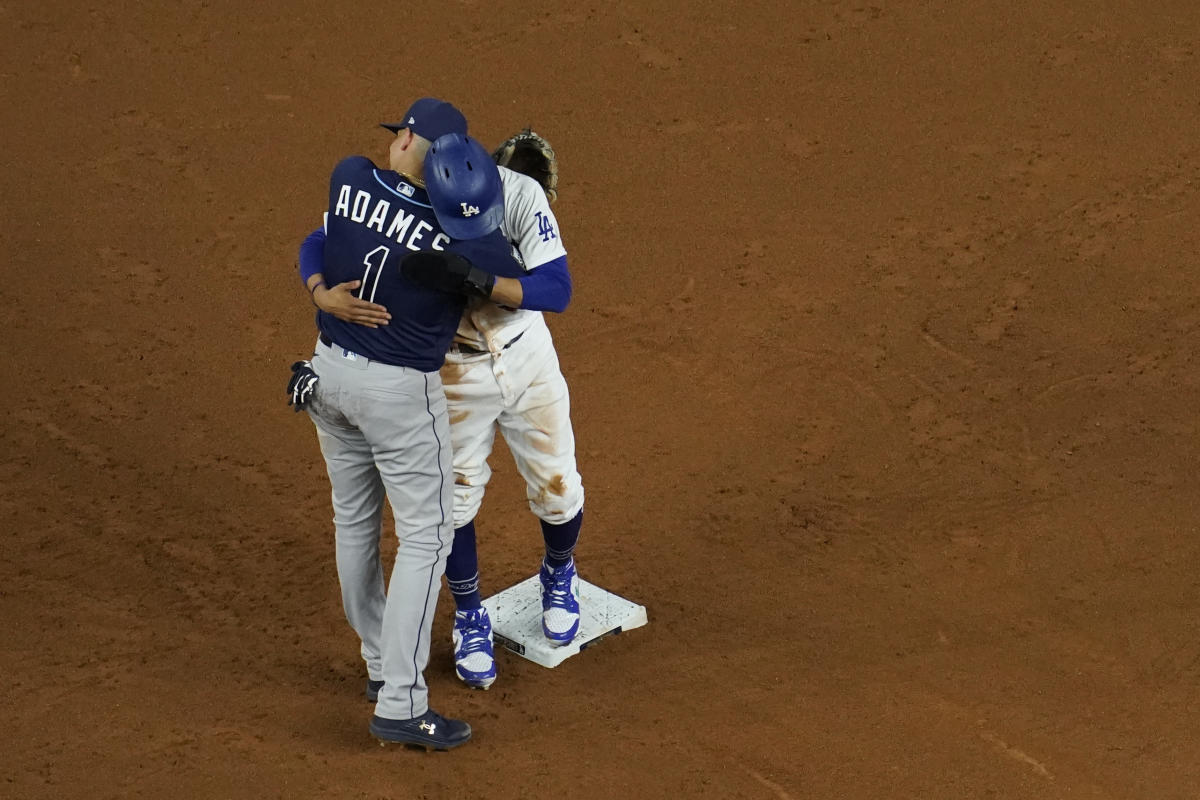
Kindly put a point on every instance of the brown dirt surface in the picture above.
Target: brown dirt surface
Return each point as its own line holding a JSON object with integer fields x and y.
{"x": 883, "y": 368}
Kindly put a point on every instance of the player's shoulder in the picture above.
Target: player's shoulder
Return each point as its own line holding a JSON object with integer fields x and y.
{"x": 519, "y": 184}
{"x": 353, "y": 164}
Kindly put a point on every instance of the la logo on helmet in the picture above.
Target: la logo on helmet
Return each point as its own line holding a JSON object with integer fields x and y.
{"x": 469, "y": 211}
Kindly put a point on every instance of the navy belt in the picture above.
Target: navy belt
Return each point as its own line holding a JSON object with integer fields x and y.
{"x": 469, "y": 350}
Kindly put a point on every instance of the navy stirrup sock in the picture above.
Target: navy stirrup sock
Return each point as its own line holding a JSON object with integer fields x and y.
{"x": 560, "y": 540}
{"x": 462, "y": 569}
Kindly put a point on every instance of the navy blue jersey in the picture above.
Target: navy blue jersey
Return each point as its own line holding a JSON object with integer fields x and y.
{"x": 375, "y": 218}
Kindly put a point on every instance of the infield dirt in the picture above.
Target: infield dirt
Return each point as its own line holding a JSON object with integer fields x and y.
{"x": 882, "y": 360}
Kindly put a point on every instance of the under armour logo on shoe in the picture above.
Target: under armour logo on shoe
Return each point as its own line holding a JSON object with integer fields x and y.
{"x": 428, "y": 727}
{"x": 469, "y": 211}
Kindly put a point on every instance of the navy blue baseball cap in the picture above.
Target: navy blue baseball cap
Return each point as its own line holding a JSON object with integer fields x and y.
{"x": 464, "y": 187}
{"x": 430, "y": 119}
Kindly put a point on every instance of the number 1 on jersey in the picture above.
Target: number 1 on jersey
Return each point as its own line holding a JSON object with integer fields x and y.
{"x": 383, "y": 253}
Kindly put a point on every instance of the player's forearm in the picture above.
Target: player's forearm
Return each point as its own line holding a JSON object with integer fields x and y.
{"x": 545, "y": 288}
{"x": 544, "y": 295}
{"x": 508, "y": 292}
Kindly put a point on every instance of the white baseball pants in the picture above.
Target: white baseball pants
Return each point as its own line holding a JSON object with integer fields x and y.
{"x": 521, "y": 390}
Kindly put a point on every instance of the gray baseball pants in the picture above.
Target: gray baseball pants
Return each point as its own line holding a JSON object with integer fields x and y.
{"x": 384, "y": 430}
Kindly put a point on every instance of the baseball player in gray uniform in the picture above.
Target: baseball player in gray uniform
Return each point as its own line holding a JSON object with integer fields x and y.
{"x": 503, "y": 372}
{"x": 376, "y": 398}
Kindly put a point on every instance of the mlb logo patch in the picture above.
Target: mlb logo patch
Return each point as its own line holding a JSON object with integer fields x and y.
{"x": 406, "y": 189}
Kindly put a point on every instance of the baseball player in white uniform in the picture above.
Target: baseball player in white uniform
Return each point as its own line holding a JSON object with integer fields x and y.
{"x": 502, "y": 371}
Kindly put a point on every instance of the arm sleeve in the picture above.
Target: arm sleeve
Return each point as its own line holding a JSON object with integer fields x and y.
{"x": 548, "y": 287}
{"x": 312, "y": 255}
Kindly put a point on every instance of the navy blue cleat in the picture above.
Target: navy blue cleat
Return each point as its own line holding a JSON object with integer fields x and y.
{"x": 474, "y": 657}
{"x": 430, "y": 730}
{"x": 373, "y": 688}
{"x": 560, "y": 602}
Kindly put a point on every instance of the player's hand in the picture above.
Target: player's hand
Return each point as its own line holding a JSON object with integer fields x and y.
{"x": 341, "y": 302}
{"x": 300, "y": 387}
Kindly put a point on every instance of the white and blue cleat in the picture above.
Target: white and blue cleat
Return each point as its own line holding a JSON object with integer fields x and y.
{"x": 474, "y": 658}
{"x": 560, "y": 602}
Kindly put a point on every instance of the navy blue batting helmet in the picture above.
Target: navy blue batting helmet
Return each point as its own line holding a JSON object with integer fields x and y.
{"x": 464, "y": 187}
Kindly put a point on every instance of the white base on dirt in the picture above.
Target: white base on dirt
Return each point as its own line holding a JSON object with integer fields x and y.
{"x": 516, "y": 615}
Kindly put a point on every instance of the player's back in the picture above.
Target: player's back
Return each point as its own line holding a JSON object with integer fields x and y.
{"x": 375, "y": 218}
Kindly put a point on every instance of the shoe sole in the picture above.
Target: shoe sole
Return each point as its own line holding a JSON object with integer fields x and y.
{"x": 480, "y": 685}
{"x": 421, "y": 744}
{"x": 558, "y": 640}
{"x": 424, "y": 747}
